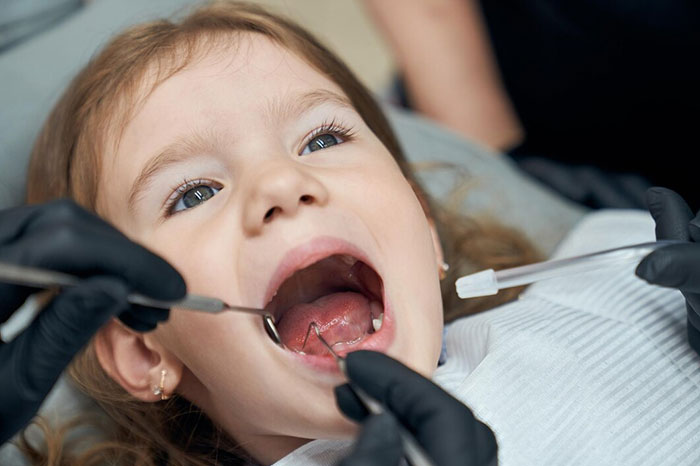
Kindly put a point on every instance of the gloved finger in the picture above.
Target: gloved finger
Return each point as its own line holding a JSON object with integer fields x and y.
{"x": 139, "y": 318}
{"x": 12, "y": 298}
{"x": 14, "y": 221}
{"x": 670, "y": 212}
{"x": 60, "y": 330}
{"x": 17, "y": 221}
{"x": 674, "y": 266}
{"x": 694, "y": 228}
{"x": 408, "y": 394}
{"x": 143, "y": 318}
{"x": 379, "y": 443}
{"x": 137, "y": 325}
{"x": 32, "y": 362}
{"x": 84, "y": 250}
{"x": 140, "y": 324}
{"x": 692, "y": 303}
{"x": 606, "y": 189}
{"x": 442, "y": 425}
{"x": 349, "y": 403}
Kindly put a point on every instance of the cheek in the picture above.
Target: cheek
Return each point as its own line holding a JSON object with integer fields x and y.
{"x": 377, "y": 186}
{"x": 389, "y": 202}
{"x": 415, "y": 283}
{"x": 207, "y": 344}
{"x": 395, "y": 216}
{"x": 205, "y": 254}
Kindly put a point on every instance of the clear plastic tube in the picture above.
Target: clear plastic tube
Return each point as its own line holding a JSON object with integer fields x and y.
{"x": 489, "y": 282}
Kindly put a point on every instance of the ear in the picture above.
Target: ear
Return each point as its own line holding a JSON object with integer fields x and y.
{"x": 439, "y": 256}
{"x": 135, "y": 361}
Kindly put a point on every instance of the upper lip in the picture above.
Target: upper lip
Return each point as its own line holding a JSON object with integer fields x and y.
{"x": 307, "y": 253}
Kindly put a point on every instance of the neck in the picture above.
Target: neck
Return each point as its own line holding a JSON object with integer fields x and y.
{"x": 270, "y": 449}
{"x": 266, "y": 449}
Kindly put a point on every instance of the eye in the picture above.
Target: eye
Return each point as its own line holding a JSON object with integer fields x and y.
{"x": 321, "y": 142}
{"x": 189, "y": 195}
{"x": 328, "y": 135}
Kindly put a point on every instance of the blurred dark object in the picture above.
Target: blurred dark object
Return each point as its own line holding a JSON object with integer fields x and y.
{"x": 588, "y": 185}
{"x": 606, "y": 89}
{"x": 609, "y": 83}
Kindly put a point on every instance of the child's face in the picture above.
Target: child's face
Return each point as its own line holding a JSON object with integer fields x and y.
{"x": 240, "y": 122}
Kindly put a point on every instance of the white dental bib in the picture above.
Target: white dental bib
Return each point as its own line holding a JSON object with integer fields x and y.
{"x": 586, "y": 370}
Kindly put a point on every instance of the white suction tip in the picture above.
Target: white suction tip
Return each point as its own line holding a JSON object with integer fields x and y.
{"x": 477, "y": 284}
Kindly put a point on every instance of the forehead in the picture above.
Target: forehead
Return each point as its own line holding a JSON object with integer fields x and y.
{"x": 249, "y": 69}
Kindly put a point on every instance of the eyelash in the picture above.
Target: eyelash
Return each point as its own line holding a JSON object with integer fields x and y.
{"x": 179, "y": 191}
{"x": 332, "y": 127}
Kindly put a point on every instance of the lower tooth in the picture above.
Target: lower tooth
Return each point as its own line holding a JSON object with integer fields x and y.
{"x": 377, "y": 323}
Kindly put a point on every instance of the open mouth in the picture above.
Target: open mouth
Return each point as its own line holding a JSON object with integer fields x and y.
{"x": 340, "y": 293}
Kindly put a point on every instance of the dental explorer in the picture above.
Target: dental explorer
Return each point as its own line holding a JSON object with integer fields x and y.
{"x": 49, "y": 279}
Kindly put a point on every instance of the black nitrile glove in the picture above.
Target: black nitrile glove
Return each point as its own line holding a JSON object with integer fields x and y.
{"x": 62, "y": 236}
{"x": 678, "y": 265}
{"x": 444, "y": 427}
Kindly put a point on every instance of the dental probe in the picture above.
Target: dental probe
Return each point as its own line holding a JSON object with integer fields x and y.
{"x": 489, "y": 282}
{"x": 413, "y": 451}
{"x": 43, "y": 278}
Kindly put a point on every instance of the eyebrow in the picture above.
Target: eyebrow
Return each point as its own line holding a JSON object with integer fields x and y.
{"x": 291, "y": 108}
{"x": 192, "y": 145}
{"x": 196, "y": 143}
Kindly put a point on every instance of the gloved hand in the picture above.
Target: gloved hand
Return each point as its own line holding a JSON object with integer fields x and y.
{"x": 444, "y": 427}
{"x": 678, "y": 265}
{"x": 62, "y": 236}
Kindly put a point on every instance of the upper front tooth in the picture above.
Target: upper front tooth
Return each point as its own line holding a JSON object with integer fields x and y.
{"x": 348, "y": 259}
{"x": 377, "y": 323}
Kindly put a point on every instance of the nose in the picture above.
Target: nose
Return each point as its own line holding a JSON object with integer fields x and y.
{"x": 280, "y": 191}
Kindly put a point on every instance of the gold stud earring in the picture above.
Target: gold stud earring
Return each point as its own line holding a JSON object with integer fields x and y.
{"x": 442, "y": 270}
{"x": 160, "y": 389}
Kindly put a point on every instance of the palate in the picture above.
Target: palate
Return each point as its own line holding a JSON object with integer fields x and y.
{"x": 330, "y": 275}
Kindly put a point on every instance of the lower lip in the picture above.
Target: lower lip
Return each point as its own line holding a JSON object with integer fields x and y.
{"x": 378, "y": 341}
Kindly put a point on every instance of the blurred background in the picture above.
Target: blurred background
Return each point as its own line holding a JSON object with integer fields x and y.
{"x": 349, "y": 30}
{"x": 596, "y": 99}
{"x": 343, "y": 24}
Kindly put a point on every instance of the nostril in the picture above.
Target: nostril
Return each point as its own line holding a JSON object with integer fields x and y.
{"x": 269, "y": 214}
{"x": 305, "y": 199}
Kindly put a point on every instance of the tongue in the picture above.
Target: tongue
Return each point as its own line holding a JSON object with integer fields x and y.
{"x": 341, "y": 317}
